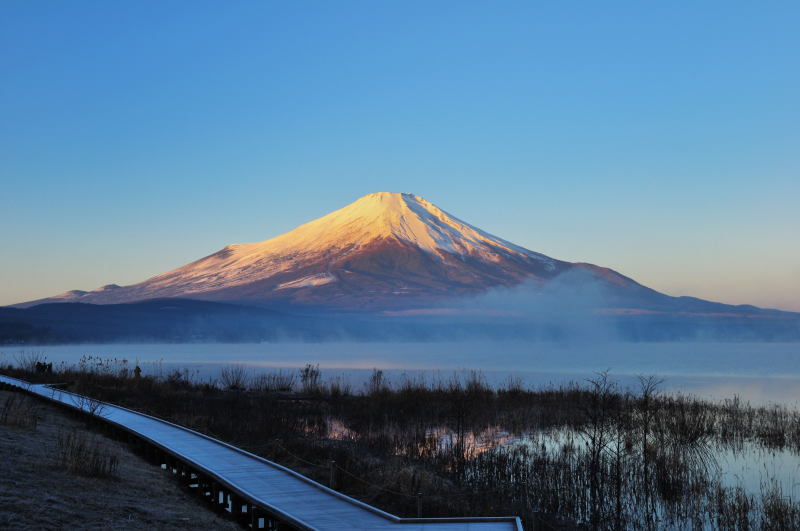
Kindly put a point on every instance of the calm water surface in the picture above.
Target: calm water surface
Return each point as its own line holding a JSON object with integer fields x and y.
{"x": 756, "y": 372}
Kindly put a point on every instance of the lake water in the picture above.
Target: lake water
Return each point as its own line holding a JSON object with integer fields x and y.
{"x": 756, "y": 372}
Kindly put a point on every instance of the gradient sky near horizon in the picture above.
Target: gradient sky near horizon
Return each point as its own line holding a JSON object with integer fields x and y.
{"x": 659, "y": 139}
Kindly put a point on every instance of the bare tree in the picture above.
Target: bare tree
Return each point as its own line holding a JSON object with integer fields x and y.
{"x": 598, "y": 431}
{"x": 646, "y": 414}
{"x": 618, "y": 449}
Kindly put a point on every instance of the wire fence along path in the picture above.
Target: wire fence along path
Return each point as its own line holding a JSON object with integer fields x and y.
{"x": 265, "y": 492}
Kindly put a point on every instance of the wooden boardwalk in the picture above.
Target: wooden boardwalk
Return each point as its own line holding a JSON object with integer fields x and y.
{"x": 258, "y": 492}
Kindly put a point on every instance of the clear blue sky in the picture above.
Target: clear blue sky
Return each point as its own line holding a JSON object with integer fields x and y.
{"x": 660, "y": 139}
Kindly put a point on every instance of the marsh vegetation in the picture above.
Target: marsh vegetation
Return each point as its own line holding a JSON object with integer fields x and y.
{"x": 587, "y": 455}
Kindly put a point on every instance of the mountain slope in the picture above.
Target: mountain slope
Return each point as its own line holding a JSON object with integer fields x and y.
{"x": 411, "y": 270}
{"x": 385, "y": 250}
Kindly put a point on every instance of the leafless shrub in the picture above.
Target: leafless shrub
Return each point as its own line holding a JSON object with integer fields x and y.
{"x": 90, "y": 405}
{"x": 377, "y": 383}
{"x": 475, "y": 383}
{"x": 179, "y": 379}
{"x": 274, "y": 382}
{"x": 598, "y": 434}
{"x": 310, "y": 378}
{"x": 339, "y": 387}
{"x": 83, "y": 454}
{"x": 513, "y": 385}
{"x": 19, "y": 411}
{"x": 27, "y": 359}
{"x": 234, "y": 377}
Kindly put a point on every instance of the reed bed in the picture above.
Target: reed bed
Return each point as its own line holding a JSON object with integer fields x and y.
{"x": 586, "y": 455}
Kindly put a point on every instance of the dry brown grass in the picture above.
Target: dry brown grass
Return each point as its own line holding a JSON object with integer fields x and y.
{"x": 19, "y": 411}
{"x": 35, "y": 493}
{"x": 85, "y": 454}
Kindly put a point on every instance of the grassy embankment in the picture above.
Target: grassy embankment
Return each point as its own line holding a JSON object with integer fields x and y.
{"x": 56, "y": 473}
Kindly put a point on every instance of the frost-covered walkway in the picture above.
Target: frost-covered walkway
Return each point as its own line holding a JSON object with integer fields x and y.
{"x": 292, "y": 498}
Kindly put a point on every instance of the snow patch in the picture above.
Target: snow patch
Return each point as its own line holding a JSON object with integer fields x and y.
{"x": 107, "y": 287}
{"x": 72, "y": 294}
{"x": 312, "y": 280}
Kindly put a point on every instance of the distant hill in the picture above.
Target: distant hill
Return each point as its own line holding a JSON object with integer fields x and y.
{"x": 164, "y": 320}
{"x": 186, "y": 320}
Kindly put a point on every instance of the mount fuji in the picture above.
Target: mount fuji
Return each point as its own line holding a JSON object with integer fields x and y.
{"x": 384, "y": 251}
{"x": 388, "y": 265}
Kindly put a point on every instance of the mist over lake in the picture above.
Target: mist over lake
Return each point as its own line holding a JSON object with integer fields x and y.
{"x": 756, "y": 372}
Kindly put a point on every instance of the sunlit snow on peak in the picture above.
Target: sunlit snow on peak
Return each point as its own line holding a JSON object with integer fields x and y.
{"x": 382, "y": 216}
{"x": 378, "y": 224}
{"x": 406, "y": 217}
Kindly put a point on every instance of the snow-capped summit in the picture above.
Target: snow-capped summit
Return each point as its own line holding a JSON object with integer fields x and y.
{"x": 384, "y": 215}
{"x": 383, "y": 250}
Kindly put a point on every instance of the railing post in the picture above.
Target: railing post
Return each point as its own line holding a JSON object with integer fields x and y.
{"x": 185, "y": 474}
{"x": 419, "y": 505}
{"x": 202, "y": 485}
{"x": 239, "y": 509}
{"x": 219, "y": 500}
{"x": 332, "y": 475}
{"x": 255, "y": 517}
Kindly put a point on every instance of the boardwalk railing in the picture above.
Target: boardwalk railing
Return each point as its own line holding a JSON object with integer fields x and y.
{"x": 257, "y": 492}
